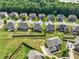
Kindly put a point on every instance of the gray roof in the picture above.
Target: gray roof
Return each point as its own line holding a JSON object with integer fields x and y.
{"x": 52, "y": 42}
{"x": 50, "y": 17}
{"x": 72, "y": 18}
{"x": 3, "y": 14}
{"x": 41, "y": 16}
{"x": 62, "y": 27}
{"x": 23, "y": 26}
{"x": 13, "y": 14}
{"x": 32, "y": 15}
{"x": 10, "y": 25}
{"x": 50, "y": 27}
{"x": 23, "y": 14}
{"x": 75, "y": 28}
{"x": 60, "y": 17}
{"x": 37, "y": 27}
{"x": 33, "y": 54}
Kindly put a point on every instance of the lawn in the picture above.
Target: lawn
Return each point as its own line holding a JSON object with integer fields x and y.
{"x": 9, "y": 44}
{"x": 5, "y": 35}
{"x": 22, "y": 53}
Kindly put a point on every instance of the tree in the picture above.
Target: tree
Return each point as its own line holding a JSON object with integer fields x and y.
{"x": 64, "y": 49}
{"x": 44, "y": 28}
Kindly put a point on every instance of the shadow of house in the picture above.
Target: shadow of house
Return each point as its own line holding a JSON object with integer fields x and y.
{"x": 53, "y": 44}
{"x": 60, "y": 17}
{"x": 50, "y": 27}
{"x": 75, "y": 30}
{"x": 33, "y": 54}
{"x": 10, "y": 25}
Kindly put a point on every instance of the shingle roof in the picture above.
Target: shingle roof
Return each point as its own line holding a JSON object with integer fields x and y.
{"x": 54, "y": 41}
{"x": 33, "y": 53}
{"x": 32, "y": 15}
{"x": 23, "y": 14}
{"x": 75, "y": 28}
{"x": 41, "y": 16}
{"x": 12, "y": 14}
{"x": 10, "y": 25}
{"x": 60, "y": 17}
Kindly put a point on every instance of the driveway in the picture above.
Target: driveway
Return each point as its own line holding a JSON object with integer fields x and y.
{"x": 47, "y": 52}
{"x": 71, "y": 47}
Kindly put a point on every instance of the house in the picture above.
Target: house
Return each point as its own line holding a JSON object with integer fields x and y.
{"x": 62, "y": 27}
{"x": 3, "y": 15}
{"x": 72, "y": 18}
{"x": 33, "y": 54}
{"x": 10, "y": 25}
{"x": 23, "y": 14}
{"x": 13, "y": 14}
{"x": 38, "y": 26}
{"x": 23, "y": 26}
{"x": 53, "y": 44}
{"x": 41, "y": 16}
{"x": 75, "y": 30}
{"x": 60, "y": 17}
{"x": 50, "y": 27}
{"x": 50, "y": 17}
{"x": 32, "y": 16}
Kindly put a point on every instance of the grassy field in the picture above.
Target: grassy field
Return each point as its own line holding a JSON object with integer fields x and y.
{"x": 9, "y": 44}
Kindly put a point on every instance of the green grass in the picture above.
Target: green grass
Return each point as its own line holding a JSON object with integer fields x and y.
{"x": 5, "y": 35}
{"x": 6, "y": 48}
{"x": 8, "y": 45}
{"x": 22, "y": 54}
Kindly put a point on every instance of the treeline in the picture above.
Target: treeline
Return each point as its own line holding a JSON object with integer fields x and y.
{"x": 42, "y": 6}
